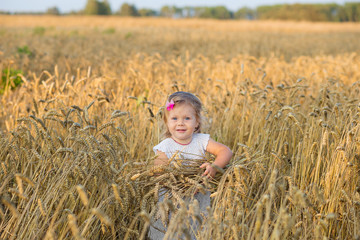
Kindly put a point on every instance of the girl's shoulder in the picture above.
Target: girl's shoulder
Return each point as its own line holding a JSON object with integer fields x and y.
{"x": 166, "y": 141}
{"x": 201, "y": 136}
{"x": 201, "y": 139}
{"x": 163, "y": 145}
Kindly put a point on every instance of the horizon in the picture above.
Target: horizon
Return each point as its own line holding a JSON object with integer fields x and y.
{"x": 67, "y": 6}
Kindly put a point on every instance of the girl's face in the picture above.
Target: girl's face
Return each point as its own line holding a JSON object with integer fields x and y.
{"x": 182, "y": 123}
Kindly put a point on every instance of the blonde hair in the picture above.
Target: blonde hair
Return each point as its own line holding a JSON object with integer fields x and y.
{"x": 180, "y": 98}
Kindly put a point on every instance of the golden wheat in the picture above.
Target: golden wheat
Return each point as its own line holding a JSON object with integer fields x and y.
{"x": 290, "y": 118}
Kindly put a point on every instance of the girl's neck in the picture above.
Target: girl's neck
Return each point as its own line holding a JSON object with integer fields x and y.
{"x": 184, "y": 144}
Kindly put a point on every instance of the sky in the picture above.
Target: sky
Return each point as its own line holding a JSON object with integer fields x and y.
{"x": 76, "y": 5}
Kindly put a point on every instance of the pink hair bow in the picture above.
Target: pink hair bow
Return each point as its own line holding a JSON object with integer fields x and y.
{"x": 170, "y": 105}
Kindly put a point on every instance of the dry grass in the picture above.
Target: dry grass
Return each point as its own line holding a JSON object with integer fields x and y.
{"x": 76, "y": 152}
{"x": 104, "y": 42}
{"x": 207, "y": 24}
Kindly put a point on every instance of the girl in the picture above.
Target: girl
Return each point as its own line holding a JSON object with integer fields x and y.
{"x": 182, "y": 117}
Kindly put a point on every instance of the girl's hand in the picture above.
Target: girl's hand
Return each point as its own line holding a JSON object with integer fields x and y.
{"x": 161, "y": 158}
{"x": 210, "y": 171}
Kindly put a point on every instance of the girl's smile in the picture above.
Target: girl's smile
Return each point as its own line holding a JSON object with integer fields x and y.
{"x": 182, "y": 123}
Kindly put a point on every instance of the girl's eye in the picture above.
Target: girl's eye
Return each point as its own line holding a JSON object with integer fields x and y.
{"x": 174, "y": 118}
{"x": 187, "y": 118}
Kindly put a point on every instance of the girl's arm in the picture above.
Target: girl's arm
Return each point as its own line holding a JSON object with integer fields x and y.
{"x": 161, "y": 158}
{"x": 223, "y": 155}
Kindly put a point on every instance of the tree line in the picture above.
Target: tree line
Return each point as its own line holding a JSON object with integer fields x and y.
{"x": 299, "y": 12}
{"x": 349, "y": 12}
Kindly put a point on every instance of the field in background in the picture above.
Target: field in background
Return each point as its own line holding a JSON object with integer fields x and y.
{"x": 283, "y": 96}
{"x": 79, "y": 42}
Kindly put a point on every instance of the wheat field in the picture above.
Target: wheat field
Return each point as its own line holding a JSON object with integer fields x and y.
{"x": 77, "y": 135}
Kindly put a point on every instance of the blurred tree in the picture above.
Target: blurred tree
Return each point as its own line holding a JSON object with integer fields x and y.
{"x": 73, "y": 12}
{"x": 219, "y": 12}
{"x": 91, "y": 8}
{"x": 128, "y": 10}
{"x": 171, "y": 11}
{"x": 95, "y": 7}
{"x": 342, "y": 16}
{"x": 104, "y": 8}
{"x": 53, "y": 11}
{"x": 205, "y": 12}
{"x": 352, "y": 11}
{"x": 302, "y": 12}
{"x": 145, "y": 12}
{"x": 189, "y": 12}
{"x": 165, "y": 11}
{"x": 245, "y": 13}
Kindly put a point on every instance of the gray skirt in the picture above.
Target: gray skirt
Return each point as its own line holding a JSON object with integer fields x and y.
{"x": 157, "y": 229}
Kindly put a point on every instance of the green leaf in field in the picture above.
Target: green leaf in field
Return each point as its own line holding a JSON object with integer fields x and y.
{"x": 39, "y": 31}
{"x": 10, "y": 78}
{"x": 139, "y": 101}
{"x": 25, "y": 50}
{"x": 128, "y": 35}
{"x": 109, "y": 31}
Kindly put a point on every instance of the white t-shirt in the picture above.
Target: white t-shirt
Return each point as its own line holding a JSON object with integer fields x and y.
{"x": 194, "y": 150}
